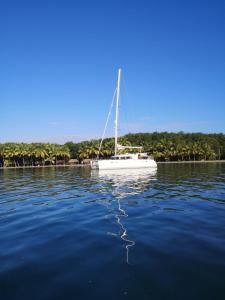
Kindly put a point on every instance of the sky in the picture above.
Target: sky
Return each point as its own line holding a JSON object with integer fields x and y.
{"x": 59, "y": 62}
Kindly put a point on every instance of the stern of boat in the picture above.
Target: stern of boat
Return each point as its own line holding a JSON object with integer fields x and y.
{"x": 94, "y": 164}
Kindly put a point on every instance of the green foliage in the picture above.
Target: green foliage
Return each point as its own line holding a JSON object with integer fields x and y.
{"x": 163, "y": 146}
{"x": 14, "y": 154}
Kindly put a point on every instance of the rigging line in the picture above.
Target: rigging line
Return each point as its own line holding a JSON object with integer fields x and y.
{"x": 107, "y": 120}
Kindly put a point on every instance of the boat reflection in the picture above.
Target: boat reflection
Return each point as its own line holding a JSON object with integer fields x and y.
{"x": 123, "y": 184}
{"x": 126, "y": 182}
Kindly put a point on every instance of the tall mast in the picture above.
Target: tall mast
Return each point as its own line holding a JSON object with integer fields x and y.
{"x": 117, "y": 109}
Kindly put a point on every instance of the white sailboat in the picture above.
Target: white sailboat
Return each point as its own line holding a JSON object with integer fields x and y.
{"x": 123, "y": 161}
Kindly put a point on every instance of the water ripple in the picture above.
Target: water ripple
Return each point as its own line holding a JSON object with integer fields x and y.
{"x": 151, "y": 234}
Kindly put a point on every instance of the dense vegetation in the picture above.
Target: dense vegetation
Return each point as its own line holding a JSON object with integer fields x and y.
{"x": 36, "y": 154}
{"x": 163, "y": 146}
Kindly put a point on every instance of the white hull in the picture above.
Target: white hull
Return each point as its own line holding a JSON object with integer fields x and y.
{"x": 110, "y": 164}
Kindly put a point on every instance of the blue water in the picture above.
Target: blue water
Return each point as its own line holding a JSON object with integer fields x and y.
{"x": 68, "y": 233}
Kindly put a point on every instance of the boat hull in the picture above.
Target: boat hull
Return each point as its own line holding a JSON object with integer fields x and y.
{"x": 110, "y": 164}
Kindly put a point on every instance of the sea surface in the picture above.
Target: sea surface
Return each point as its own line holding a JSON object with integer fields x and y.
{"x": 69, "y": 233}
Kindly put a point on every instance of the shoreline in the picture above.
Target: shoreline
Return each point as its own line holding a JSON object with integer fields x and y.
{"x": 191, "y": 161}
{"x": 49, "y": 166}
{"x": 88, "y": 165}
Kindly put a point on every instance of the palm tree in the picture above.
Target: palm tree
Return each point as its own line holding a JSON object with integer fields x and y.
{"x": 39, "y": 155}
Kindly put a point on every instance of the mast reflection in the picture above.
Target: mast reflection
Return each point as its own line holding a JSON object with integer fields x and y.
{"x": 122, "y": 184}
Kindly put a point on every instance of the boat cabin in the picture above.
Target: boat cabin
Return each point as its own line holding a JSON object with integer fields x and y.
{"x": 130, "y": 156}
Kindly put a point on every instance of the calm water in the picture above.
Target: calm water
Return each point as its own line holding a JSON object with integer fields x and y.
{"x": 72, "y": 234}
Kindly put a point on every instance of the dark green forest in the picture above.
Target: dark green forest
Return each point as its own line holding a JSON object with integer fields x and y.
{"x": 163, "y": 146}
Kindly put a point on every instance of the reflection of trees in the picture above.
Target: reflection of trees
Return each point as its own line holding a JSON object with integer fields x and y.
{"x": 122, "y": 184}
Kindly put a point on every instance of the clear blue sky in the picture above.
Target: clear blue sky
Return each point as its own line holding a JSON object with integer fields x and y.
{"x": 59, "y": 61}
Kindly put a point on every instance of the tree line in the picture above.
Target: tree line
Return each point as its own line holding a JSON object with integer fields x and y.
{"x": 163, "y": 146}
{"x": 35, "y": 154}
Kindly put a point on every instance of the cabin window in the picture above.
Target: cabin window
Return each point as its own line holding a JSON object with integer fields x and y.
{"x": 120, "y": 157}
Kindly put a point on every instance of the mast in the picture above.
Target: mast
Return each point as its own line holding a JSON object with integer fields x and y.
{"x": 117, "y": 109}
